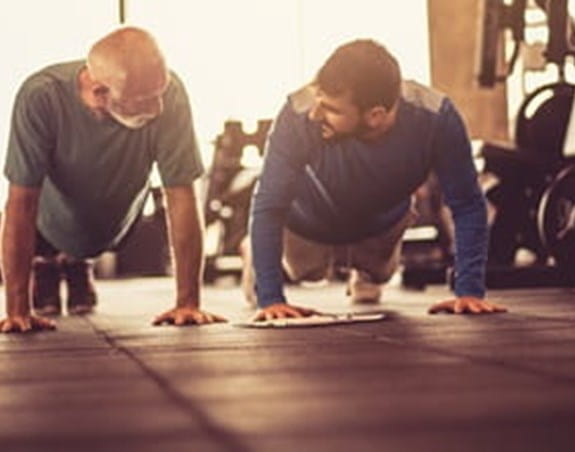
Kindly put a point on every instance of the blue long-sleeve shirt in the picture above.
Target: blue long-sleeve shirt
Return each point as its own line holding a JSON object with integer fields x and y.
{"x": 346, "y": 190}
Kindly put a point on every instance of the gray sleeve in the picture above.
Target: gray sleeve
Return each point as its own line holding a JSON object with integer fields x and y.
{"x": 31, "y": 138}
{"x": 177, "y": 154}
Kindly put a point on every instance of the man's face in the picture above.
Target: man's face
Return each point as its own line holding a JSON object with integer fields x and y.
{"x": 136, "y": 108}
{"x": 338, "y": 115}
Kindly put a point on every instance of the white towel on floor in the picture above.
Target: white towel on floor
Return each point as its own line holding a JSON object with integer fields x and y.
{"x": 320, "y": 319}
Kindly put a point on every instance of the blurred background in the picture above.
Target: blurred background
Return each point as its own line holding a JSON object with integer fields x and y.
{"x": 239, "y": 60}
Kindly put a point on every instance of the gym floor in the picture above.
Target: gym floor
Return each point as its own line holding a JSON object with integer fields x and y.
{"x": 412, "y": 382}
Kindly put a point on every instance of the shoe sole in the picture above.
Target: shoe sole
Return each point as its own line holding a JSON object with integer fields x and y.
{"x": 80, "y": 310}
{"x": 365, "y": 301}
{"x": 48, "y": 311}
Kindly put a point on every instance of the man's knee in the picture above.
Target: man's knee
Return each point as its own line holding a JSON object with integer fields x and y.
{"x": 305, "y": 260}
{"x": 386, "y": 271}
{"x": 298, "y": 272}
{"x": 380, "y": 258}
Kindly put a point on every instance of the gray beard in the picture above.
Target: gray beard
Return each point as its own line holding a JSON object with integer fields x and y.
{"x": 131, "y": 122}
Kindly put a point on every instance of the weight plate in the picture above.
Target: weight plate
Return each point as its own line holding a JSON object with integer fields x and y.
{"x": 542, "y": 120}
{"x": 556, "y": 219}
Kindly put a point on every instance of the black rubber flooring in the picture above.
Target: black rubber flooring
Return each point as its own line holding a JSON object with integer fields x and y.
{"x": 413, "y": 382}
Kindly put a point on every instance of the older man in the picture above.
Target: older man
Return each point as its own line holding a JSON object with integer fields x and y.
{"x": 83, "y": 140}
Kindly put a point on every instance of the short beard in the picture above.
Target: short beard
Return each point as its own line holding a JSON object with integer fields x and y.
{"x": 134, "y": 123}
{"x": 359, "y": 131}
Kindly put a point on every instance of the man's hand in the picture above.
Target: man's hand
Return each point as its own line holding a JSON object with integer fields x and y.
{"x": 25, "y": 324}
{"x": 283, "y": 311}
{"x": 187, "y": 316}
{"x": 466, "y": 305}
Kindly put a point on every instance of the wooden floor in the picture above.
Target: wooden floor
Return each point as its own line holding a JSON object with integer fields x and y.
{"x": 413, "y": 382}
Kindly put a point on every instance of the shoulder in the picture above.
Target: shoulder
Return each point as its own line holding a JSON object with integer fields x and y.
{"x": 52, "y": 80}
{"x": 176, "y": 97}
{"x": 292, "y": 127}
{"x": 296, "y": 107}
{"x": 293, "y": 113}
{"x": 176, "y": 87}
{"x": 423, "y": 97}
{"x": 175, "y": 80}
{"x": 302, "y": 100}
{"x": 429, "y": 105}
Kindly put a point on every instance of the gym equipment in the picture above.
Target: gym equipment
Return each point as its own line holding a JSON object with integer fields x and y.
{"x": 533, "y": 196}
{"x": 515, "y": 199}
{"x": 495, "y": 17}
{"x": 525, "y": 172}
{"x": 535, "y": 212}
{"x": 499, "y": 15}
{"x": 556, "y": 220}
{"x": 542, "y": 120}
{"x": 229, "y": 191}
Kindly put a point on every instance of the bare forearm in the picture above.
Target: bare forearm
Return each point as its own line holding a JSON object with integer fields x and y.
{"x": 186, "y": 238}
{"x": 18, "y": 241}
{"x": 188, "y": 263}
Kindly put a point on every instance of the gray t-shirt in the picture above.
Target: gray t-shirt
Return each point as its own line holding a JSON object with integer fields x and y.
{"x": 93, "y": 173}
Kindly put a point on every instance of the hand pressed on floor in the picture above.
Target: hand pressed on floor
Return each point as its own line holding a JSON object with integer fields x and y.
{"x": 25, "y": 324}
{"x": 187, "y": 316}
{"x": 283, "y": 311}
{"x": 467, "y": 305}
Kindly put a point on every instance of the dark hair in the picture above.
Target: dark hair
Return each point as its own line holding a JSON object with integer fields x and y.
{"x": 366, "y": 69}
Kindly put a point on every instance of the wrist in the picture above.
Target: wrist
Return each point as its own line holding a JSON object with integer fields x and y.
{"x": 468, "y": 295}
{"x": 187, "y": 302}
{"x": 271, "y": 303}
{"x": 18, "y": 309}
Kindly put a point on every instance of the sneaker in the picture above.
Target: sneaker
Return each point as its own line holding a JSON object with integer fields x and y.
{"x": 361, "y": 289}
{"x": 79, "y": 278}
{"x": 45, "y": 287}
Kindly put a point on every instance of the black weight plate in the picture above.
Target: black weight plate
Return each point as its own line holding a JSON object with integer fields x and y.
{"x": 542, "y": 120}
{"x": 556, "y": 219}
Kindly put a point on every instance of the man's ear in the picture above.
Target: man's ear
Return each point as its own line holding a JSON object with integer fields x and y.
{"x": 376, "y": 116}
{"x": 100, "y": 93}
{"x": 100, "y": 90}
